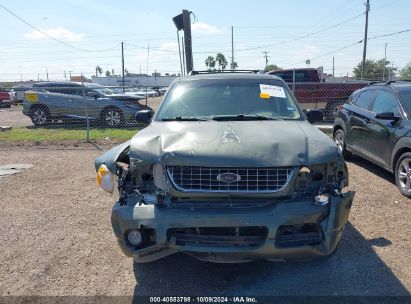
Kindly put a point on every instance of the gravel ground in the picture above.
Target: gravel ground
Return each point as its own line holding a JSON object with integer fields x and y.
{"x": 56, "y": 239}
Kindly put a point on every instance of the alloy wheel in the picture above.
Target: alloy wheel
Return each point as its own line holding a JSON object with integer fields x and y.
{"x": 339, "y": 140}
{"x": 39, "y": 117}
{"x": 404, "y": 175}
{"x": 113, "y": 117}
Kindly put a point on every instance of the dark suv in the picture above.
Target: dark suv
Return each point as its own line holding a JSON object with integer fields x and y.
{"x": 375, "y": 124}
{"x": 229, "y": 169}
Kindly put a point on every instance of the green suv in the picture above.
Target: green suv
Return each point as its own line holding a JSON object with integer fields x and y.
{"x": 230, "y": 169}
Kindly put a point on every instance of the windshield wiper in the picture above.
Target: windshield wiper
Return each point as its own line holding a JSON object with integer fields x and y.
{"x": 242, "y": 117}
{"x": 183, "y": 118}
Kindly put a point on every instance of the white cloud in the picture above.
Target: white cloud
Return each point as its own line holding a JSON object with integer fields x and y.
{"x": 205, "y": 28}
{"x": 58, "y": 33}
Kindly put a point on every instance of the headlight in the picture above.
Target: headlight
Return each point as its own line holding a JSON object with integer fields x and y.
{"x": 134, "y": 237}
{"x": 105, "y": 179}
{"x": 160, "y": 178}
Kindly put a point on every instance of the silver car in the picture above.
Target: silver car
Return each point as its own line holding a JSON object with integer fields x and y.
{"x": 43, "y": 104}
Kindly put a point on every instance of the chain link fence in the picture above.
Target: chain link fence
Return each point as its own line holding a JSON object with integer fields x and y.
{"x": 92, "y": 112}
{"x": 327, "y": 97}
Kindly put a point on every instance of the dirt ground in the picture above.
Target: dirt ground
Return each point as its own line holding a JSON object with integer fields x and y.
{"x": 56, "y": 239}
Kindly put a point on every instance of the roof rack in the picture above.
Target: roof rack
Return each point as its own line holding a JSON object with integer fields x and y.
{"x": 402, "y": 80}
{"x": 388, "y": 82}
{"x": 224, "y": 71}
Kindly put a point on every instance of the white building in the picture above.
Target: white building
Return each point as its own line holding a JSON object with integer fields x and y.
{"x": 135, "y": 81}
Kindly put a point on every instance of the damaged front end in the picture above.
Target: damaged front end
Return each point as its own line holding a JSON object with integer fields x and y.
{"x": 276, "y": 213}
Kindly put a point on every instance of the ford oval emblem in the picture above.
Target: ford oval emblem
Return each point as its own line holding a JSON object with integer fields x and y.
{"x": 228, "y": 177}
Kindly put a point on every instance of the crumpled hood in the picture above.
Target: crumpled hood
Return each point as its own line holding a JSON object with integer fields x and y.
{"x": 233, "y": 143}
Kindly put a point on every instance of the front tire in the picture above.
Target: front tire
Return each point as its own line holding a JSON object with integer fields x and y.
{"x": 39, "y": 116}
{"x": 339, "y": 139}
{"x": 403, "y": 174}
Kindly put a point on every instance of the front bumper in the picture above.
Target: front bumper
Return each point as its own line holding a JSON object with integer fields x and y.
{"x": 330, "y": 219}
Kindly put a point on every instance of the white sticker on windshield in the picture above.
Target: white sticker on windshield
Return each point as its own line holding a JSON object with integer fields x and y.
{"x": 273, "y": 91}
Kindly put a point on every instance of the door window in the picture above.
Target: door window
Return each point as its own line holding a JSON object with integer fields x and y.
{"x": 385, "y": 102}
{"x": 365, "y": 99}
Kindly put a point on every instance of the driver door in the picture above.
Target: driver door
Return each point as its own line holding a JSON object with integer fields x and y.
{"x": 380, "y": 133}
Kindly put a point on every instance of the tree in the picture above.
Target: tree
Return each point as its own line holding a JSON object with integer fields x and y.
{"x": 210, "y": 62}
{"x": 108, "y": 74}
{"x": 99, "y": 70}
{"x": 233, "y": 65}
{"x": 272, "y": 67}
{"x": 221, "y": 61}
{"x": 405, "y": 72}
{"x": 374, "y": 69}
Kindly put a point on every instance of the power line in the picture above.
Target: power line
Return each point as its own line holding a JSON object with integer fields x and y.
{"x": 51, "y": 37}
{"x": 358, "y": 42}
{"x": 303, "y": 36}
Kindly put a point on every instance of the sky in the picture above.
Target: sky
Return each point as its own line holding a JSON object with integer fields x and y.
{"x": 90, "y": 32}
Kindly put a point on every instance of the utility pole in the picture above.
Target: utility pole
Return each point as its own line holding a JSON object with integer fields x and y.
{"x": 364, "y": 53}
{"x": 65, "y": 75}
{"x": 47, "y": 73}
{"x": 385, "y": 60}
{"x": 333, "y": 66}
{"x": 122, "y": 62}
{"x": 179, "y": 52}
{"x": 187, "y": 40}
{"x": 266, "y": 58}
{"x": 184, "y": 59}
{"x": 232, "y": 46}
{"x": 148, "y": 55}
{"x": 70, "y": 74}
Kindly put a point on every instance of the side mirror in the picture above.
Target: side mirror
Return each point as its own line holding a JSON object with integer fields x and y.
{"x": 144, "y": 116}
{"x": 387, "y": 116}
{"x": 314, "y": 115}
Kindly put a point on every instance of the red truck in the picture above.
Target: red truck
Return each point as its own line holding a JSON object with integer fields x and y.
{"x": 312, "y": 92}
{"x": 4, "y": 98}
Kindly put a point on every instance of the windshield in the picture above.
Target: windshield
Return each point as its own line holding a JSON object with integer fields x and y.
{"x": 406, "y": 100}
{"x": 104, "y": 91}
{"x": 211, "y": 98}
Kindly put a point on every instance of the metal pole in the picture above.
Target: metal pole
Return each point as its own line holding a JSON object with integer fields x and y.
{"x": 232, "y": 46}
{"x": 364, "y": 53}
{"x": 122, "y": 63}
{"x": 293, "y": 81}
{"x": 179, "y": 52}
{"x": 86, "y": 108}
{"x": 333, "y": 66}
{"x": 184, "y": 58}
{"x": 266, "y": 58}
{"x": 148, "y": 55}
{"x": 385, "y": 59}
{"x": 47, "y": 73}
{"x": 187, "y": 40}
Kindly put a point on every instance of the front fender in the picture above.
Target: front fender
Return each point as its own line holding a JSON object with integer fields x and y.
{"x": 110, "y": 157}
{"x": 402, "y": 143}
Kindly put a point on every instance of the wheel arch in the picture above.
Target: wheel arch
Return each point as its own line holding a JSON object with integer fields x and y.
{"x": 338, "y": 124}
{"x": 39, "y": 105}
{"x": 402, "y": 146}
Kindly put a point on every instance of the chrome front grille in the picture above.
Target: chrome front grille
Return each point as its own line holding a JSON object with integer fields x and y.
{"x": 204, "y": 179}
